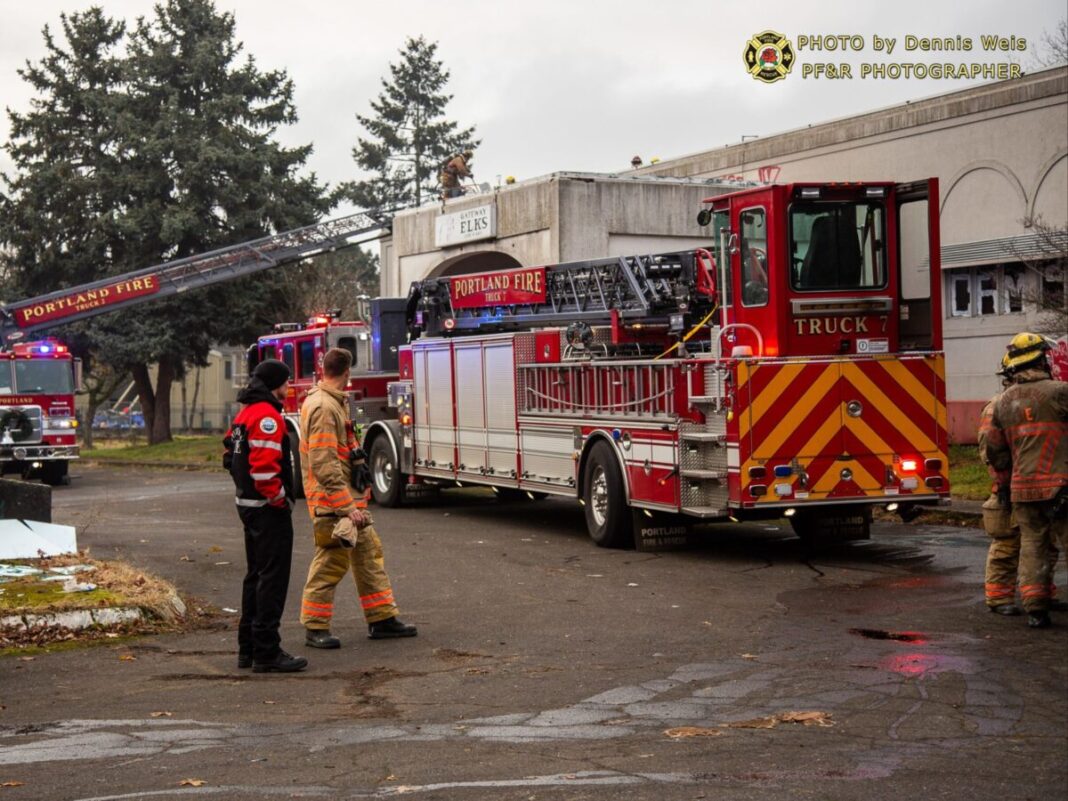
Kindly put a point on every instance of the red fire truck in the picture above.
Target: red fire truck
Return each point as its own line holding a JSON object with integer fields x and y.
{"x": 794, "y": 368}
{"x": 372, "y": 341}
{"x": 37, "y": 422}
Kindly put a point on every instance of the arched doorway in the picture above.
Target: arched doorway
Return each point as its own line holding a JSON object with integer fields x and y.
{"x": 479, "y": 262}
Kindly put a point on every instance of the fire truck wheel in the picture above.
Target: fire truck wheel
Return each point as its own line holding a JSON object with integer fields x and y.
{"x": 54, "y": 473}
{"x": 387, "y": 481}
{"x": 294, "y": 463}
{"x": 607, "y": 517}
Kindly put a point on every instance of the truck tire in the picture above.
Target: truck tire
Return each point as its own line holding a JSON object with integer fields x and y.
{"x": 295, "y": 466}
{"x": 387, "y": 481}
{"x": 54, "y": 473}
{"x": 608, "y": 519}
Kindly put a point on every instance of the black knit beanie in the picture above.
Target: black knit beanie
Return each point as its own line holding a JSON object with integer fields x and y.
{"x": 272, "y": 373}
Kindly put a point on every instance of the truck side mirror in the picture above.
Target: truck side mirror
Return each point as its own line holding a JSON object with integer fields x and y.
{"x": 252, "y": 357}
{"x": 79, "y": 384}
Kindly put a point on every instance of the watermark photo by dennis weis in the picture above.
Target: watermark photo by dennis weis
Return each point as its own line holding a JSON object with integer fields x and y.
{"x": 771, "y": 56}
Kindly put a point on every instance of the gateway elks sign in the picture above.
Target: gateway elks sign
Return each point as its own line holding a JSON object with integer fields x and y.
{"x": 86, "y": 299}
{"x": 469, "y": 225}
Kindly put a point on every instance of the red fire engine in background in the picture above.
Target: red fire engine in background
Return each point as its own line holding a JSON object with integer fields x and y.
{"x": 38, "y": 379}
{"x": 37, "y": 422}
{"x": 793, "y": 368}
{"x": 372, "y": 341}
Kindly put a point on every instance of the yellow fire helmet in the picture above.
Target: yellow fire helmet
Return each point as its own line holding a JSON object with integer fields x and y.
{"x": 1003, "y": 369}
{"x": 1025, "y": 349}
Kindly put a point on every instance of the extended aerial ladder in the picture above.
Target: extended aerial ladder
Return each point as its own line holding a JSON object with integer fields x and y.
{"x": 23, "y": 318}
{"x": 664, "y": 289}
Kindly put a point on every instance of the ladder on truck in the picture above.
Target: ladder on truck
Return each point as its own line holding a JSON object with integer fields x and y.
{"x": 26, "y": 317}
{"x": 646, "y": 289}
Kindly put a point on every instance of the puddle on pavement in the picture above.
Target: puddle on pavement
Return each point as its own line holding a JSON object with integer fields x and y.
{"x": 900, "y": 636}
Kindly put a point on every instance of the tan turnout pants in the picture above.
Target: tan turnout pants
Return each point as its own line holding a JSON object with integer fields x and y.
{"x": 1040, "y": 535}
{"x": 330, "y": 564}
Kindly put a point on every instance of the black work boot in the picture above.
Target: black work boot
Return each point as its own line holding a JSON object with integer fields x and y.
{"x": 1009, "y": 610}
{"x": 283, "y": 663}
{"x": 244, "y": 659}
{"x": 321, "y": 638}
{"x": 1039, "y": 619}
{"x": 389, "y": 628}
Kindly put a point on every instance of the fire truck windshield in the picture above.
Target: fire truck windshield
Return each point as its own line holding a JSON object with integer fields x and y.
{"x": 837, "y": 246}
{"x": 45, "y": 376}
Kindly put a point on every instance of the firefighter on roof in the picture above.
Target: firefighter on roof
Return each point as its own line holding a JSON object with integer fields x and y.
{"x": 328, "y": 447}
{"x": 455, "y": 169}
{"x": 257, "y": 456}
{"x": 1003, "y": 556}
{"x": 1030, "y": 427}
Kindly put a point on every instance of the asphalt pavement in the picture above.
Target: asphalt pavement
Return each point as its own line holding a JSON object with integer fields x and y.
{"x": 548, "y": 668}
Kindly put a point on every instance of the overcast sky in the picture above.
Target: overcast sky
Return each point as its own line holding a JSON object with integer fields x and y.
{"x": 575, "y": 85}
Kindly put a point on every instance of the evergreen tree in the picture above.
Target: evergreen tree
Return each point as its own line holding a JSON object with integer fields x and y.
{"x": 409, "y": 138}
{"x": 188, "y": 134}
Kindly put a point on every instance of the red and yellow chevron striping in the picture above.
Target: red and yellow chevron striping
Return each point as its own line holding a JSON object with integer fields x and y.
{"x": 841, "y": 428}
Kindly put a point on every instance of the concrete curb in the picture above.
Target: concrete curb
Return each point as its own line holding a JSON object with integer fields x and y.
{"x": 75, "y": 619}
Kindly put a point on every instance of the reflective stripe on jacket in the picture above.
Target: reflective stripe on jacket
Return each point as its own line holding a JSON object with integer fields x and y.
{"x": 260, "y": 463}
{"x": 326, "y": 441}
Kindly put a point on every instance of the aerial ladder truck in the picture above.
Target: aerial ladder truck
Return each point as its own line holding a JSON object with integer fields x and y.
{"x": 38, "y": 378}
{"x": 791, "y": 369}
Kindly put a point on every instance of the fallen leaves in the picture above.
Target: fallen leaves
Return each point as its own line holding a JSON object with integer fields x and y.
{"x": 810, "y": 718}
{"x": 127, "y": 658}
{"x": 162, "y": 714}
{"x": 805, "y": 718}
{"x": 691, "y": 731}
{"x": 12, "y": 784}
{"x": 192, "y": 783}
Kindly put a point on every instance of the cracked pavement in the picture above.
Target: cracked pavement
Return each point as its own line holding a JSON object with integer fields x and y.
{"x": 547, "y": 668}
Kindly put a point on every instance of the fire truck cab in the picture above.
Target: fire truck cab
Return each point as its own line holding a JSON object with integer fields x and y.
{"x": 371, "y": 341}
{"x": 37, "y": 422}
{"x": 792, "y": 368}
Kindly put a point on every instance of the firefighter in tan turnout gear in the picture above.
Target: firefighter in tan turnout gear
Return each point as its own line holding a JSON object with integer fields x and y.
{"x": 339, "y": 513}
{"x": 1029, "y": 429}
{"x": 1003, "y": 556}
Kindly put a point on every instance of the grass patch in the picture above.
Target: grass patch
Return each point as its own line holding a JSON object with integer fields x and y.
{"x": 117, "y": 584}
{"x": 35, "y": 596}
{"x": 194, "y": 451}
{"x": 968, "y": 476}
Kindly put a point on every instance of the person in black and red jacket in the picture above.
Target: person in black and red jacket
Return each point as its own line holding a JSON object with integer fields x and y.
{"x": 257, "y": 456}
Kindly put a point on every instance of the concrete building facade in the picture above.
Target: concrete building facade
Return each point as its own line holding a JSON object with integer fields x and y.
{"x": 1000, "y": 152}
{"x": 556, "y": 218}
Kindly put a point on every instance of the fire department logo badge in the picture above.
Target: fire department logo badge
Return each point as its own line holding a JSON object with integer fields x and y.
{"x": 769, "y": 56}
{"x": 268, "y": 426}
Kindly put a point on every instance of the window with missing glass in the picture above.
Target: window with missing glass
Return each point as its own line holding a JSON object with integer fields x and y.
{"x": 989, "y": 290}
{"x": 837, "y": 246}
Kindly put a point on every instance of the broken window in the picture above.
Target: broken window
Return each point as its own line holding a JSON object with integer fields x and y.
{"x": 987, "y": 291}
{"x": 1013, "y": 276}
{"x": 1054, "y": 284}
{"x": 961, "y": 294}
